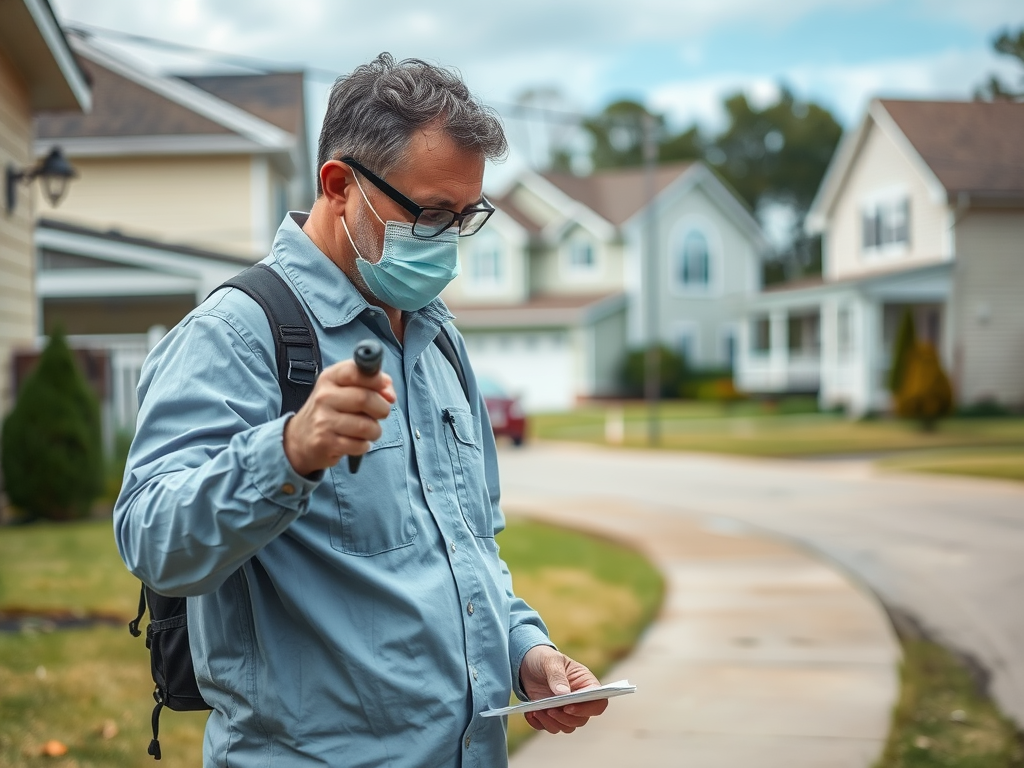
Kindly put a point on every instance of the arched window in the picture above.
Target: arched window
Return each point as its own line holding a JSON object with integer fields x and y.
{"x": 693, "y": 265}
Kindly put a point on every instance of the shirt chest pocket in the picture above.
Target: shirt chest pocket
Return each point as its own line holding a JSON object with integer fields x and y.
{"x": 374, "y": 512}
{"x": 467, "y": 458}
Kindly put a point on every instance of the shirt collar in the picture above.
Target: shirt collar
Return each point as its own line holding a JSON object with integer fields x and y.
{"x": 327, "y": 291}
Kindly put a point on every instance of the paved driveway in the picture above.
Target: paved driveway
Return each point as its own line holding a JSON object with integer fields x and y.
{"x": 949, "y": 551}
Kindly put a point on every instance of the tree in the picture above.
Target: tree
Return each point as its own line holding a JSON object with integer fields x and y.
{"x": 618, "y": 134}
{"x": 1007, "y": 44}
{"x": 52, "y": 447}
{"x": 925, "y": 394}
{"x": 906, "y": 340}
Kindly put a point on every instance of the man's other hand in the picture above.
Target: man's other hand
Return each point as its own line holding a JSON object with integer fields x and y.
{"x": 340, "y": 418}
{"x": 546, "y": 672}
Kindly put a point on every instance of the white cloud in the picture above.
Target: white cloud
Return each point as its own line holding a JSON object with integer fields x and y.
{"x": 846, "y": 90}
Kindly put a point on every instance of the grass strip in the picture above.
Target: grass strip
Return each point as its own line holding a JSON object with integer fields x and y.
{"x": 943, "y": 716}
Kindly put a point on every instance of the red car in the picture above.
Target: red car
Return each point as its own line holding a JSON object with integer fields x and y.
{"x": 507, "y": 417}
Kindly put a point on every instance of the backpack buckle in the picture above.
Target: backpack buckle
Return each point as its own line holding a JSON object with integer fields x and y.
{"x": 303, "y": 372}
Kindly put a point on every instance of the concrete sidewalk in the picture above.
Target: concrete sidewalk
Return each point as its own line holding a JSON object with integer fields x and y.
{"x": 762, "y": 656}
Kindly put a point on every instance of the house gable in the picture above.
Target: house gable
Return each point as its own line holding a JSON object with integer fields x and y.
{"x": 883, "y": 207}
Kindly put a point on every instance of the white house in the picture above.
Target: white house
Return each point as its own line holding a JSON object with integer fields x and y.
{"x": 554, "y": 291}
{"x": 922, "y": 209}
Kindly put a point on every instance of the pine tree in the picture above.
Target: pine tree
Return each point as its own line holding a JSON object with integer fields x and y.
{"x": 52, "y": 445}
{"x": 925, "y": 394}
{"x": 906, "y": 339}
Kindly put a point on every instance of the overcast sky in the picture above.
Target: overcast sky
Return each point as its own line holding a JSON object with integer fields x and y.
{"x": 680, "y": 56}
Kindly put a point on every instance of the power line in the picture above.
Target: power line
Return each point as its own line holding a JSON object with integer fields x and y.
{"x": 527, "y": 112}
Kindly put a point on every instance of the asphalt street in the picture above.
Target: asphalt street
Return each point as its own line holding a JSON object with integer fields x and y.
{"x": 947, "y": 551}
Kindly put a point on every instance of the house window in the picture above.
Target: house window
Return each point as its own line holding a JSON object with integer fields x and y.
{"x": 804, "y": 332}
{"x": 692, "y": 261}
{"x": 486, "y": 267}
{"x": 886, "y": 223}
{"x": 760, "y": 334}
{"x": 581, "y": 255}
{"x": 686, "y": 345}
{"x": 487, "y": 263}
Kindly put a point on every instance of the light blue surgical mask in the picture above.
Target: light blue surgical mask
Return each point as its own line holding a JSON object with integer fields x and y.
{"x": 411, "y": 271}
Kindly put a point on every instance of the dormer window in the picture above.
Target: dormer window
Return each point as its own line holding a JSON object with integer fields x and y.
{"x": 886, "y": 224}
{"x": 579, "y": 255}
{"x": 486, "y": 260}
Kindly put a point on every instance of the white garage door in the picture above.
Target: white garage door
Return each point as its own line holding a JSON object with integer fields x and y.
{"x": 537, "y": 366}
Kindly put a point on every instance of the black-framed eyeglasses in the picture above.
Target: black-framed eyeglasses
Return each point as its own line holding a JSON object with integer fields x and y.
{"x": 430, "y": 222}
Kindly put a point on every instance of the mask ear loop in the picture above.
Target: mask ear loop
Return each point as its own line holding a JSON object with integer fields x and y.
{"x": 345, "y": 223}
{"x": 354, "y": 176}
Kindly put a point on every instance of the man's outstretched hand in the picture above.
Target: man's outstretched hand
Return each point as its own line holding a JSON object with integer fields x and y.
{"x": 546, "y": 672}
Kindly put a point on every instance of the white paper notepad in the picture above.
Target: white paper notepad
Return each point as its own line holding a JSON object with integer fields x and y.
{"x": 608, "y": 691}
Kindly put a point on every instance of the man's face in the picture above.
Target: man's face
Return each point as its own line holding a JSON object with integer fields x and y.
{"x": 434, "y": 173}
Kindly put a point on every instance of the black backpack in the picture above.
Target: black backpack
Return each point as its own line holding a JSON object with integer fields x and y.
{"x": 298, "y": 364}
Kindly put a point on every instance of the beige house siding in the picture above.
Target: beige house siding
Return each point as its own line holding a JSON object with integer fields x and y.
{"x": 17, "y": 295}
{"x": 205, "y": 201}
{"x": 511, "y": 287}
{"x": 883, "y": 169}
{"x": 988, "y": 307}
{"x": 552, "y": 271}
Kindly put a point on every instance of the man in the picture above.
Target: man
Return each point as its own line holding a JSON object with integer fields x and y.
{"x": 346, "y": 619}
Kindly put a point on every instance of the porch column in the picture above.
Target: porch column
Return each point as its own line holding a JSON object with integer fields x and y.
{"x": 779, "y": 348}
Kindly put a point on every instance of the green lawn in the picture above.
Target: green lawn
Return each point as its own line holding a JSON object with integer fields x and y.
{"x": 1005, "y": 463}
{"x": 69, "y": 685}
{"x": 941, "y": 719}
{"x": 790, "y": 429}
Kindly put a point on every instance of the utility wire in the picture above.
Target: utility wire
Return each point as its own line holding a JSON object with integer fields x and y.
{"x": 527, "y": 112}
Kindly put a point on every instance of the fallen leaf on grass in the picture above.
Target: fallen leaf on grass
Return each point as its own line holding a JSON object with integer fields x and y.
{"x": 53, "y": 748}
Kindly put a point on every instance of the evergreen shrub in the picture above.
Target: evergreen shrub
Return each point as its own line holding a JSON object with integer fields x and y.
{"x": 906, "y": 340}
{"x": 52, "y": 443}
{"x": 925, "y": 393}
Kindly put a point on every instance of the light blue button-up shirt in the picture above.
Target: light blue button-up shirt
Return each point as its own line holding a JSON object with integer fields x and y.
{"x": 355, "y": 620}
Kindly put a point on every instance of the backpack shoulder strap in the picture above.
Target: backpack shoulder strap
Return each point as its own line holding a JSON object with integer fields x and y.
{"x": 298, "y": 352}
{"x": 444, "y": 343}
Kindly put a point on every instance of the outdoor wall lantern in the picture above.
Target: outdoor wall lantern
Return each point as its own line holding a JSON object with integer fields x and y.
{"x": 54, "y": 170}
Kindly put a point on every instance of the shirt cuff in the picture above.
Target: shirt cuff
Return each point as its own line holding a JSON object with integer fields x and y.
{"x": 520, "y": 641}
{"x": 272, "y": 473}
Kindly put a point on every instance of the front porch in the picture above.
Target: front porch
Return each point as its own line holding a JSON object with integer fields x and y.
{"x": 836, "y": 340}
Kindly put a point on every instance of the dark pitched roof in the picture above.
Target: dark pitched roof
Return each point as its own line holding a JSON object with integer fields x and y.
{"x": 121, "y": 107}
{"x": 275, "y": 97}
{"x": 972, "y": 147}
{"x": 616, "y": 195}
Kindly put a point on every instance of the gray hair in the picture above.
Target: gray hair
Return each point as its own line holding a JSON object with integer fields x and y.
{"x": 373, "y": 112}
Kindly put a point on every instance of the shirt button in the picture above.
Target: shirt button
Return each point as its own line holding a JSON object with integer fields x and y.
{"x": 417, "y": 434}
{"x": 453, "y": 546}
{"x": 475, "y": 675}
{"x": 470, "y": 608}
{"x": 430, "y": 488}
{"x": 288, "y": 488}
{"x": 468, "y": 739}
